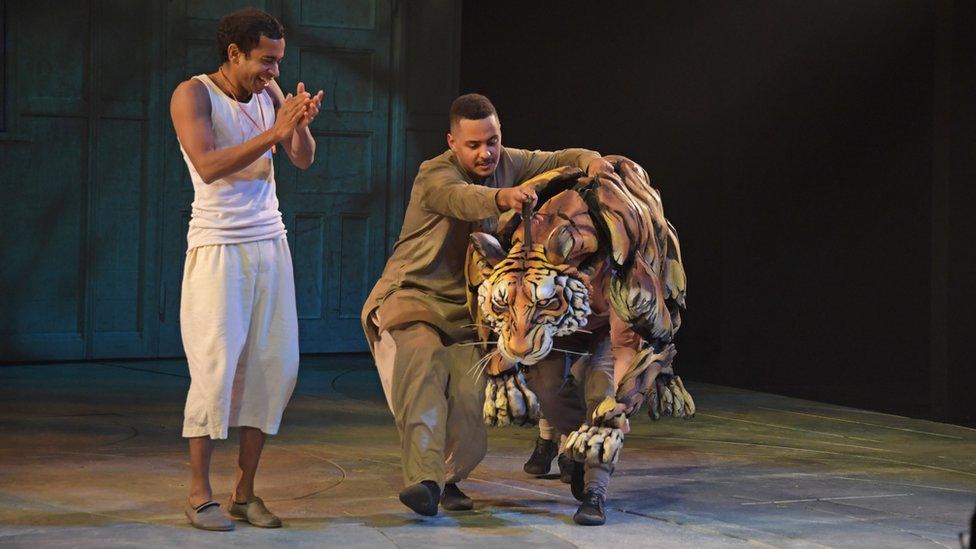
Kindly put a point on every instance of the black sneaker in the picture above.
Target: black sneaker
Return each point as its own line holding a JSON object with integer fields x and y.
{"x": 566, "y": 466}
{"x": 590, "y": 512}
{"x": 422, "y": 497}
{"x": 455, "y": 500}
{"x": 540, "y": 462}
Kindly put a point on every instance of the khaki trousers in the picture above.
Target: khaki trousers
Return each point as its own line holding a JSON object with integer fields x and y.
{"x": 436, "y": 401}
{"x": 569, "y": 392}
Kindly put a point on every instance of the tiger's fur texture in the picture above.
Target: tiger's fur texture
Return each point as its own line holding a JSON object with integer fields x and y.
{"x": 599, "y": 247}
{"x": 532, "y": 296}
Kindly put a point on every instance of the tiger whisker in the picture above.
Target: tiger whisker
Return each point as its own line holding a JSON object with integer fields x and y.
{"x": 474, "y": 366}
{"x": 479, "y": 367}
{"x": 485, "y": 358}
{"x": 470, "y": 343}
{"x": 567, "y": 351}
{"x": 487, "y": 362}
{"x": 484, "y": 365}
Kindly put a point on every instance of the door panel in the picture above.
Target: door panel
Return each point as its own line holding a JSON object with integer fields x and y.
{"x": 336, "y": 210}
{"x": 43, "y": 219}
{"x": 122, "y": 248}
{"x": 98, "y": 196}
{"x": 42, "y": 274}
{"x": 77, "y": 241}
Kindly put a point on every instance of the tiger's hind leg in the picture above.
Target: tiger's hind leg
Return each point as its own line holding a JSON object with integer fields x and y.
{"x": 652, "y": 377}
{"x": 670, "y": 398}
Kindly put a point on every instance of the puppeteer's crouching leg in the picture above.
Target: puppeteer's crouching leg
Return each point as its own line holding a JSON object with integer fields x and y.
{"x": 466, "y": 440}
{"x": 569, "y": 394}
{"x": 598, "y": 383}
{"x": 437, "y": 407}
{"x": 417, "y": 397}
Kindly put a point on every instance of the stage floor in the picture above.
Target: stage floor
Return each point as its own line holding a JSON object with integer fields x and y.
{"x": 91, "y": 456}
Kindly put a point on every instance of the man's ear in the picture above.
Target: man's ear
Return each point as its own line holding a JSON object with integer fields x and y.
{"x": 233, "y": 50}
{"x": 450, "y": 142}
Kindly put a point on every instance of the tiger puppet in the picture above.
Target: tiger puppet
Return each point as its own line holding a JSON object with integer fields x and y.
{"x": 597, "y": 253}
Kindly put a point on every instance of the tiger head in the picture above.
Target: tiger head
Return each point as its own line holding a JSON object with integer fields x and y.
{"x": 527, "y": 300}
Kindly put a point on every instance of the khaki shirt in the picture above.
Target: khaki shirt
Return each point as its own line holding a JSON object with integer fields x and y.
{"x": 424, "y": 277}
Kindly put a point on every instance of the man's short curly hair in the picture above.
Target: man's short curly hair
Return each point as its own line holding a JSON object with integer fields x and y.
{"x": 472, "y": 106}
{"x": 245, "y": 28}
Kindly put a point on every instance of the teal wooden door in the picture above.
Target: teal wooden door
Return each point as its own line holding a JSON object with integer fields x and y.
{"x": 78, "y": 223}
{"x": 336, "y": 211}
{"x": 97, "y": 196}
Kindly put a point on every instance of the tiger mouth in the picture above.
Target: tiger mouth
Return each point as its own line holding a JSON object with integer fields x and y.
{"x": 534, "y": 355}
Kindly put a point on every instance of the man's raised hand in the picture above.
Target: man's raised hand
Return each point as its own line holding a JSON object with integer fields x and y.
{"x": 291, "y": 113}
{"x": 313, "y": 107}
{"x": 513, "y": 198}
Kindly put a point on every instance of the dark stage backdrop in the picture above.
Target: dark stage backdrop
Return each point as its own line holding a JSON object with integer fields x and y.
{"x": 817, "y": 159}
{"x": 96, "y": 196}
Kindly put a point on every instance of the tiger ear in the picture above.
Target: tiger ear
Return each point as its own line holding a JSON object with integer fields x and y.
{"x": 560, "y": 245}
{"x": 488, "y": 248}
{"x": 484, "y": 253}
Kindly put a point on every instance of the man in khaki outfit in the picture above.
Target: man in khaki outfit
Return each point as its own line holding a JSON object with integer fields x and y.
{"x": 416, "y": 320}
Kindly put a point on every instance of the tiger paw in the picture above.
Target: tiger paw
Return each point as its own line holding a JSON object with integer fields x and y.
{"x": 594, "y": 444}
{"x": 509, "y": 401}
{"x": 611, "y": 413}
{"x": 670, "y": 398}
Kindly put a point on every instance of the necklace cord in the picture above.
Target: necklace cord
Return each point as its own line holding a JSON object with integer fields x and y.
{"x": 230, "y": 88}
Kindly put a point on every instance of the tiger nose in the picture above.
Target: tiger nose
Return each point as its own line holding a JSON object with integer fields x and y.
{"x": 518, "y": 346}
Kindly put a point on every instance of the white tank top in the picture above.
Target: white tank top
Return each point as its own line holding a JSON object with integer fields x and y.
{"x": 243, "y": 206}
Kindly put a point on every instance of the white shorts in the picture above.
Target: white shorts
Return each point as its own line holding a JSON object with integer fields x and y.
{"x": 240, "y": 332}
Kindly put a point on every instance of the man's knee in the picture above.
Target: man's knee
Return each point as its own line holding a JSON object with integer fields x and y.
{"x": 415, "y": 336}
{"x": 415, "y": 348}
{"x": 418, "y": 378}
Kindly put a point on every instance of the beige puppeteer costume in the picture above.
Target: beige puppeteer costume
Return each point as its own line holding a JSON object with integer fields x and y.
{"x": 416, "y": 316}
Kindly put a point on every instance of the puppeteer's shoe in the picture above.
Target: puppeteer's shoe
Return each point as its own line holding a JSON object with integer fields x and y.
{"x": 590, "y": 512}
{"x": 422, "y": 497}
{"x": 455, "y": 500}
{"x": 541, "y": 460}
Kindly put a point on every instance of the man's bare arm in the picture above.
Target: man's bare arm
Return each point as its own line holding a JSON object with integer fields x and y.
{"x": 190, "y": 111}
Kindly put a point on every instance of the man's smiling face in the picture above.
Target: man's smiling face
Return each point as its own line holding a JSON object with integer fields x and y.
{"x": 477, "y": 145}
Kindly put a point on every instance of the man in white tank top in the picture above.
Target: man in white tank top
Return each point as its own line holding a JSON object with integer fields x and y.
{"x": 237, "y": 314}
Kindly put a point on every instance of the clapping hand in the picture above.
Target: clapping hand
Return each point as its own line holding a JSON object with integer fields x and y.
{"x": 312, "y": 108}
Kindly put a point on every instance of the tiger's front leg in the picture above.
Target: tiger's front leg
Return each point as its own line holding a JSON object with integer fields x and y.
{"x": 599, "y": 439}
{"x": 508, "y": 399}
